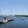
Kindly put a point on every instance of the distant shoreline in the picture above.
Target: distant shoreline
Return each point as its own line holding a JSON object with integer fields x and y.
{"x": 21, "y": 15}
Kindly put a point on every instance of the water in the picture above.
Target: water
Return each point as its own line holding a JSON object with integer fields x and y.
{"x": 17, "y": 23}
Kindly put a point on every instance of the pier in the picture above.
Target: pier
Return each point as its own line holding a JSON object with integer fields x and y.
{"x": 2, "y": 22}
{"x": 5, "y": 21}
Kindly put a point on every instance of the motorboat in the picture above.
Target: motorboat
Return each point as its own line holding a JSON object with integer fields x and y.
{"x": 5, "y": 21}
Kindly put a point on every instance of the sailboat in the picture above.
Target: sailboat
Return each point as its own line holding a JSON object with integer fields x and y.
{"x": 2, "y": 20}
{"x": 11, "y": 17}
{"x": 22, "y": 18}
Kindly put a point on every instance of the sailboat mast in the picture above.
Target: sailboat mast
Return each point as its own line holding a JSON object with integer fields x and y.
{"x": 11, "y": 12}
{"x": 0, "y": 12}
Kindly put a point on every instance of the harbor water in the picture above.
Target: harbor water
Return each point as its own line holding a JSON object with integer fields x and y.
{"x": 17, "y": 23}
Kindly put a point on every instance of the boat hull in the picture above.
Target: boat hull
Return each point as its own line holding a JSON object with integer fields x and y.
{"x": 1, "y": 22}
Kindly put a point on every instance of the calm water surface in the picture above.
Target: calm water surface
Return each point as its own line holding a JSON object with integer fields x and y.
{"x": 17, "y": 23}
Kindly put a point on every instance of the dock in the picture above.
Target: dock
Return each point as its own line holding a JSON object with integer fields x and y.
{"x": 5, "y": 21}
{"x": 11, "y": 19}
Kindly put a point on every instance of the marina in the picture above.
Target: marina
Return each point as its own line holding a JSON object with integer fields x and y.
{"x": 17, "y": 23}
{"x": 6, "y": 20}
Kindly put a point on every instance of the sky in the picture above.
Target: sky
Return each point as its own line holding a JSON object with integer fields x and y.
{"x": 18, "y": 7}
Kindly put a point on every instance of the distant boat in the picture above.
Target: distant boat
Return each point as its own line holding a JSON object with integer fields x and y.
{"x": 22, "y": 18}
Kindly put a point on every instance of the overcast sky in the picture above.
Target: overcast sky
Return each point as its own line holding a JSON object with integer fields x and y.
{"x": 17, "y": 7}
